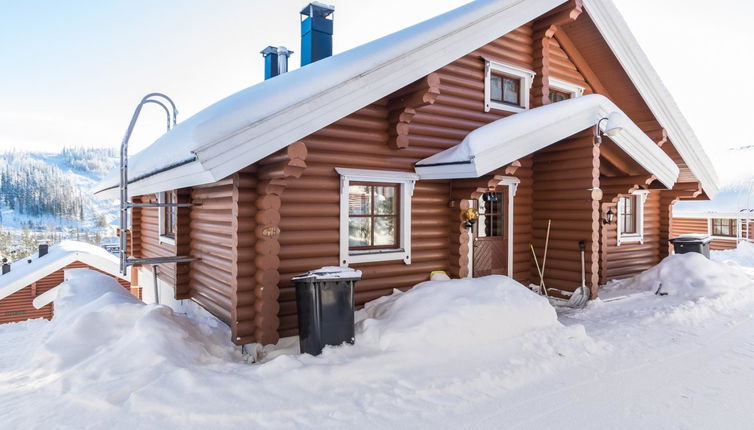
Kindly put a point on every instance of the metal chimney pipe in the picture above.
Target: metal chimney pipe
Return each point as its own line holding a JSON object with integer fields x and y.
{"x": 6, "y": 268}
{"x": 316, "y": 32}
{"x": 275, "y": 60}
{"x": 43, "y": 249}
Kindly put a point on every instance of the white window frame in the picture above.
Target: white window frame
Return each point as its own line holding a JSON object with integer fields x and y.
{"x": 406, "y": 180}
{"x": 526, "y": 76}
{"x": 637, "y": 237}
{"x": 161, "y": 225}
{"x": 566, "y": 87}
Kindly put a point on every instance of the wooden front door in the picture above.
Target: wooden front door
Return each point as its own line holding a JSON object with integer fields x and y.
{"x": 490, "y": 236}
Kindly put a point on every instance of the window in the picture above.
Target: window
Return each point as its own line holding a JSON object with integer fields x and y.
{"x": 167, "y": 218}
{"x": 490, "y": 222}
{"x": 506, "y": 87}
{"x": 375, "y": 215}
{"x": 558, "y": 96}
{"x": 727, "y": 227}
{"x": 563, "y": 90}
{"x": 628, "y": 211}
{"x": 631, "y": 217}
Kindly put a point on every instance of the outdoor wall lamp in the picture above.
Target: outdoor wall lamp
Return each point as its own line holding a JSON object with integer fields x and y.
{"x": 612, "y": 127}
{"x": 470, "y": 215}
{"x": 609, "y": 216}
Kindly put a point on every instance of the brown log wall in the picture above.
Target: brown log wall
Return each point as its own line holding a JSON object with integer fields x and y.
{"x": 18, "y": 306}
{"x": 561, "y": 194}
{"x": 628, "y": 259}
{"x": 211, "y": 241}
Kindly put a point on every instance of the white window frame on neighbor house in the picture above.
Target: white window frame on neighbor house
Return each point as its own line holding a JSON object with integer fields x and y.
{"x": 525, "y": 76}
{"x": 406, "y": 181}
{"x": 639, "y": 235}
{"x": 163, "y": 238}
{"x": 739, "y": 226}
{"x": 566, "y": 87}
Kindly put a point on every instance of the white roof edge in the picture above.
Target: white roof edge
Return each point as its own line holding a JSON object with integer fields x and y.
{"x": 48, "y": 264}
{"x": 500, "y": 142}
{"x": 186, "y": 175}
{"x": 624, "y": 45}
{"x": 712, "y": 214}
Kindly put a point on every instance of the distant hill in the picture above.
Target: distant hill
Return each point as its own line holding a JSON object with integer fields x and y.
{"x": 44, "y": 191}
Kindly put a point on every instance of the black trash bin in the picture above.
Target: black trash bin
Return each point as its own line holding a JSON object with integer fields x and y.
{"x": 698, "y": 243}
{"x": 325, "y": 304}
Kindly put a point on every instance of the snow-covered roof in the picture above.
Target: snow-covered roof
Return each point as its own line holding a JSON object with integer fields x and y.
{"x": 258, "y": 121}
{"x": 500, "y": 142}
{"x": 23, "y": 273}
{"x": 735, "y": 201}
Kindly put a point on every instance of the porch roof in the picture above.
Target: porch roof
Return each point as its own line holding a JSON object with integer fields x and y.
{"x": 501, "y": 142}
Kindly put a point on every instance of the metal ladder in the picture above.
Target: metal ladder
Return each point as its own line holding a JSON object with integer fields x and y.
{"x": 125, "y": 205}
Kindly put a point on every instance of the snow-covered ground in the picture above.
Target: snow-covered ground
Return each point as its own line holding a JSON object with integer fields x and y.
{"x": 485, "y": 354}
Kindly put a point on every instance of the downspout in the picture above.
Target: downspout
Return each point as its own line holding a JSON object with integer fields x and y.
{"x": 156, "y": 290}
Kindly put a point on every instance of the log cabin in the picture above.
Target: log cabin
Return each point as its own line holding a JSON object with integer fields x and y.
{"x": 728, "y": 218}
{"x": 531, "y": 111}
{"x": 27, "y": 279}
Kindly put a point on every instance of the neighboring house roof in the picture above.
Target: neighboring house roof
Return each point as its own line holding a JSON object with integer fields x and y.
{"x": 736, "y": 201}
{"x": 23, "y": 273}
{"x": 500, "y": 142}
{"x": 258, "y": 121}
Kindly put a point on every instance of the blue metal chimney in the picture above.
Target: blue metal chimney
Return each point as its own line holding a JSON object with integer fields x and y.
{"x": 316, "y": 32}
{"x": 275, "y": 60}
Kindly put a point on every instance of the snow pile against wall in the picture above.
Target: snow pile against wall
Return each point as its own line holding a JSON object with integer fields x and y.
{"x": 690, "y": 275}
{"x": 743, "y": 255}
{"x": 100, "y": 332}
{"x": 454, "y": 313}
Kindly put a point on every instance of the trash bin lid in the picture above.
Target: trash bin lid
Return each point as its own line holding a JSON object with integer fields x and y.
{"x": 692, "y": 238}
{"x": 330, "y": 272}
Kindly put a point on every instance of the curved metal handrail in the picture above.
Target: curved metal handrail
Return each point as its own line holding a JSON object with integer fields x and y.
{"x": 149, "y": 98}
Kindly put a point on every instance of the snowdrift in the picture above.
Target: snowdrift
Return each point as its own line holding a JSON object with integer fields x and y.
{"x": 454, "y": 313}
{"x": 690, "y": 276}
{"x": 100, "y": 332}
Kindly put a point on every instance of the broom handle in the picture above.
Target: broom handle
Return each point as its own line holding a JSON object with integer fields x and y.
{"x": 547, "y": 243}
{"x": 536, "y": 263}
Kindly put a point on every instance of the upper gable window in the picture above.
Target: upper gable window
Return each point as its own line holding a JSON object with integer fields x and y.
{"x": 563, "y": 90}
{"x": 558, "y": 96}
{"x": 506, "y": 87}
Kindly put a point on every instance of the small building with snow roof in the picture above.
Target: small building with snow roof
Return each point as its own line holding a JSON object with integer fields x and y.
{"x": 728, "y": 218}
{"x": 26, "y": 279}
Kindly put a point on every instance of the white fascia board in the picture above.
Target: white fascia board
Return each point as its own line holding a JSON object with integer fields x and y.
{"x": 187, "y": 175}
{"x": 237, "y": 150}
{"x": 377, "y": 175}
{"x": 616, "y": 33}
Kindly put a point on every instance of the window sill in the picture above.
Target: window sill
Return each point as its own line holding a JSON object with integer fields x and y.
{"x": 630, "y": 239}
{"x": 724, "y": 237}
{"x": 370, "y": 256}
{"x": 167, "y": 240}
{"x": 505, "y": 107}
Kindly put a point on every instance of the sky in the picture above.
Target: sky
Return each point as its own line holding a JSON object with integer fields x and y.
{"x": 72, "y": 72}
